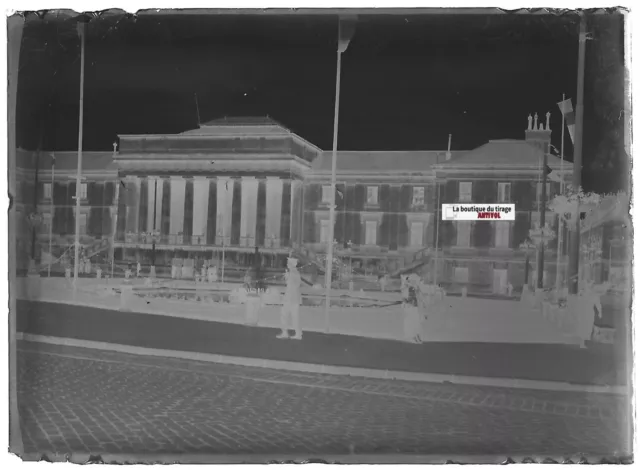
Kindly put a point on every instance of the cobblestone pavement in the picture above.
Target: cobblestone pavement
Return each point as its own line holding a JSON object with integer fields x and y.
{"x": 76, "y": 400}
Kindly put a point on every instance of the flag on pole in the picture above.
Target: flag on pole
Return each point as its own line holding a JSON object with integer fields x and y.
{"x": 566, "y": 108}
{"x": 53, "y": 159}
{"x": 347, "y": 27}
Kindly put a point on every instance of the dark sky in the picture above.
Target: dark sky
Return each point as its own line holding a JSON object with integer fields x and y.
{"x": 407, "y": 80}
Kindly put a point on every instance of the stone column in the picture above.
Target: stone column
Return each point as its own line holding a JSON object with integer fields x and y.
{"x": 248, "y": 211}
{"x": 132, "y": 195}
{"x": 274, "y": 210}
{"x": 200, "y": 207}
{"x": 151, "y": 194}
{"x": 296, "y": 200}
{"x": 176, "y": 219}
{"x": 224, "y": 200}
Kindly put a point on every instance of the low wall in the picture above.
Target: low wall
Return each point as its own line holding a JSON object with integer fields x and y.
{"x": 456, "y": 320}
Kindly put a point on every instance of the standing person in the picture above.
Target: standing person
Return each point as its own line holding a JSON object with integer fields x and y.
{"x": 292, "y": 301}
{"x": 412, "y": 316}
{"x": 138, "y": 269}
{"x": 383, "y": 282}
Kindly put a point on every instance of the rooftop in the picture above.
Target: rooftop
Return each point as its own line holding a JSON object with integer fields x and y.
{"x": 502, "y": 152}
{"x": 65, "y": 161}
{"x": 239, "y": 125}
{"x": 380, "y": 161}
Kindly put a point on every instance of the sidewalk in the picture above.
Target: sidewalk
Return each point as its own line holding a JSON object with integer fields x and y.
{"x": 463, "y": 320}
{"x": 542, "y": 362}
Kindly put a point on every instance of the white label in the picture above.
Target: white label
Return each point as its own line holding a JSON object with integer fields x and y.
{"x": 490, "y": 212}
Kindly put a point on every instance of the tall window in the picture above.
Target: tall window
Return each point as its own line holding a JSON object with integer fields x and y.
{"x": 83, "y": 190}
{"x": 417, "y": 229}
{"x": 372, "y": 195}
{"x": 371, "y": 232}
{"x": 504, "y": 192}
{"x": 326, "y": 194}
{"x": 464, "y": 191}
{"x": 461, "y": 274}
{"x": 47, "y": 190}
{"x": 463, "y": 235}
{"x": 502, "y": 231}
{"x": 324, "y": 231}
{"x": 418, "y": 196}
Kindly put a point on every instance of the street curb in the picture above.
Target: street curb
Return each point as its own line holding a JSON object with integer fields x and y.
{"x": 281, "y": 458}
{"x": 328, "y": 369}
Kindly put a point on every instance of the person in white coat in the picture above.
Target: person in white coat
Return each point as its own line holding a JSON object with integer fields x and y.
{"x": 292, "y": 300}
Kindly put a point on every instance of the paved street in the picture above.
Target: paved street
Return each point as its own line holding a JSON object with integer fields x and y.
{"x": 75, "y": 400}
{"x": 548, "y": 362}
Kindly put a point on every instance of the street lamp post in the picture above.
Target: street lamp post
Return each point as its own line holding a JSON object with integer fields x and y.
{"x": 51, "y": 217}
{"x": 81, "y": 33}
{"x": 152, "y": 270}
{"x": 541, "y": 236}
{"x": 220, "y": 234}
{"x": 35, "y": 219}
{"x": 345, "y": 31}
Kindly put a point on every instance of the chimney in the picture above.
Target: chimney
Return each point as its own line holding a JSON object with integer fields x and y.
{"x": 537, "y": 134}
{"x": 448, "y": 154}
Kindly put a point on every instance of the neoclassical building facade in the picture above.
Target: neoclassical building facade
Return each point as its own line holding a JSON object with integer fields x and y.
{"x": 237, "y": 184}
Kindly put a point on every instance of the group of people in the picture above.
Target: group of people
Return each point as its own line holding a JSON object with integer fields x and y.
{"x": 84, "y": 267}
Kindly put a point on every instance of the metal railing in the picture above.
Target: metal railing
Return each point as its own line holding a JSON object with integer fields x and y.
{"x": 180, "y": 239}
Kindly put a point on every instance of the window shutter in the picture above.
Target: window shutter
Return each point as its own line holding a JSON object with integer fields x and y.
{"x": 406, "y": 198}
{"x": 361, "y": 197}
{"x": 340, "y": 195}
{"x": 384, "y": 230}
{"x": 338, "y": 228}
{"x": 525, "y": 195}
{"x": 450, "y": 192}
{"x": 383, "y": 197}
{"x": 403, "y": 230}
{"x": 482, "y": 233}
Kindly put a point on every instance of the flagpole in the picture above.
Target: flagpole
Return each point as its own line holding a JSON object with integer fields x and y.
{"x": 51, "y": 210}
{"x": 560, "y": 216}
{"x": 81, "y": 33}
{"x": 543, "y": 210}
{"x": 574, "y": 254}
{"x": 332, "y": 208}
